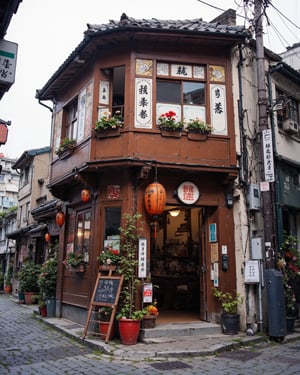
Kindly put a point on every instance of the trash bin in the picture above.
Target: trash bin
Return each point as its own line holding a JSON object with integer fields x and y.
{"x": 275, "y": 301}
{"x": 51, "y": 305}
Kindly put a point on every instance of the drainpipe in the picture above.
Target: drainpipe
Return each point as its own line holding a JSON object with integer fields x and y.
{"x": 277, "y": 185}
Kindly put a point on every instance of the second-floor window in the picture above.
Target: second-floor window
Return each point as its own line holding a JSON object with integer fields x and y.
{"x": 71, "y": 120}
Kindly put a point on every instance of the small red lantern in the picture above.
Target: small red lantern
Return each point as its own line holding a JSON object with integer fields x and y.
{"x": 60, "y": 218}
{"x": 155, "y": 198}
{"x": 47, "y": 237}
{"x": 85, "y": 195}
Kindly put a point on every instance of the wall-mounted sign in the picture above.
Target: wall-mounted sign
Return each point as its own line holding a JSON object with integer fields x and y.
{"x": 8, "y": 61}
{"x": 188, "y": 193}
{"x": 252, "y": 272}
{"x": 142, "y": 265}
{"x": 268, "y": 155}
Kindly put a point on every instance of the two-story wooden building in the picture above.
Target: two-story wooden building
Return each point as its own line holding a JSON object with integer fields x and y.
{"x": 145, "y": 68}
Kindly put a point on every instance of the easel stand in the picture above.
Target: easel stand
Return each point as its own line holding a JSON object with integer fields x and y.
{"x": 106, "y": 293}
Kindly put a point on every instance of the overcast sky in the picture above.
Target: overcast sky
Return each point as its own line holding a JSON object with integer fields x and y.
{"x": 47, "y": 31}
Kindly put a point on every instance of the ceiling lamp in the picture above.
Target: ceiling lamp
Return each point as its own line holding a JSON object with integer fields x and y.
{"x": 174, "y": 213}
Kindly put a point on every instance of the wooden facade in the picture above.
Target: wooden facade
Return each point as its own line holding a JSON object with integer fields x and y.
{"x": 123, "y": 65}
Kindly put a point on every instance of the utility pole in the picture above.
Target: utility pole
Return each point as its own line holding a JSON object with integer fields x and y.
{"x": 267, "y": 165}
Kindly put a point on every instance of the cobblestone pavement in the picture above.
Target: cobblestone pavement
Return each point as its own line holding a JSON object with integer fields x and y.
{"x": 27, "y": 346}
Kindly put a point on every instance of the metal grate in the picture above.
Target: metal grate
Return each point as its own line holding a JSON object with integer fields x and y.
{"x": 164, "y": 366}
{"x": 239, "y": 355}
{"x": 289, "y": 360}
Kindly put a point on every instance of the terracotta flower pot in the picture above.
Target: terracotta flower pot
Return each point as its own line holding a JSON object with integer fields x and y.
{"x": 103, "y": 329}
{"x": 30, "y": 297}
{"x": 129, "y": 331}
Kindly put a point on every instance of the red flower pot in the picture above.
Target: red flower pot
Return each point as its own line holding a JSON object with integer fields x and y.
{"x": 129, "y": 331}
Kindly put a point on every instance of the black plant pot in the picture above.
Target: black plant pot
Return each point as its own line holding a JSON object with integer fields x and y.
{"x": 230, "y": 324}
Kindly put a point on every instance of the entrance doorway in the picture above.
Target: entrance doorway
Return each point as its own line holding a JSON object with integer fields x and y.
{"x": 178, "y": 264}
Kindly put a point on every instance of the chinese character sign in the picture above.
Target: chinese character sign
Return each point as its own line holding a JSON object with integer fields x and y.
{"x": 218, "y": 111}
{"x": 8, "y": 60}
{"x": 188, "y": 192}
{"x": 142, "y": 266}
{"x": 143, "y": 103}
{"x": 268, "y": 155}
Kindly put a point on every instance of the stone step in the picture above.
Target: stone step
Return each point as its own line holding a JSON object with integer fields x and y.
{"x": 179, "y": 329}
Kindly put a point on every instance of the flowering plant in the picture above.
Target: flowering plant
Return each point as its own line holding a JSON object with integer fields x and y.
{"x": 152, "y": 309}
{"x": 109, "y": 257}
{"x": 65, "y": 143}
{"x": 109, "y": 122}
{"x": 168, "y": 121}
{"x": 73, "y": 259}
{"x": 289, "y": 263}
{"x": 47, "y": 277}
{"x": 198, "y": 125}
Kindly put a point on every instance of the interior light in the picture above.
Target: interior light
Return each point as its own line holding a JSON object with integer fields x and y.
{"x": 174, "y": 213}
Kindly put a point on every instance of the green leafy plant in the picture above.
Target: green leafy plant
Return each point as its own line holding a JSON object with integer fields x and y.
{"x": 64, "y": 144}
{"x": 229, "y": 302}
{"x": 130, "y": 232}
{"x": 198, "y": 125}
{"x": 73, "y": 259}
{"x": 167, "y": 121}
{"x": 47, "y": 277}
{"x": 28, "y": 277}
{"x": 109, "y": 122}
{"x": 105, "y": 313}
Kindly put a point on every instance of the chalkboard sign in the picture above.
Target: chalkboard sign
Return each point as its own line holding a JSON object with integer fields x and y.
{"x": 107, "y": 289}
{"x": 106, "y": 293}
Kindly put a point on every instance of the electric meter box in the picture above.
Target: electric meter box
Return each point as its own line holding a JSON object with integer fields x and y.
{"x": 254, "y": 197}
{"x": 256, "y": 249}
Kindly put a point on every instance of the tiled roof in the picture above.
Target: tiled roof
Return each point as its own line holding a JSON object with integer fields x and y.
{"x": 127, "y": 25}
{"x": 196, "y": 24}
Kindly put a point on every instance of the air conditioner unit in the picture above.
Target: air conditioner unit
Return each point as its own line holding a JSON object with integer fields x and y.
{"x": 290, "y": 126}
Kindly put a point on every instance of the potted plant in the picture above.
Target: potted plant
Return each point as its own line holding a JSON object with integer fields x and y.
{"x": 129, "y": 316}
{"x": 74, "y": 261}
{"x": 42, "y": 306}
{"x": 108, "y": 259}
{"x": 109, "y": 122}
{"x": 149, "y": 320}
{"x": 199, "y": 126}
{"x": 8, "y": 280}
{"x": 28, "y": 281}
{"x": 230, "y": 317}
{"x": 104, "y": 320}
{"x": 7, "y": 284}
{"x": 65, "y": 144}
{"x": 47, "y": 284}
{"x": 167, "y": 122}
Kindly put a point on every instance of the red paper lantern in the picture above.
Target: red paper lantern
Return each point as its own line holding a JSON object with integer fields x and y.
{"x": 85, "y": 195}
{"x": 47, "y": 237}
{"x": 60, "y": 218}
{"x": 155, "y": 198}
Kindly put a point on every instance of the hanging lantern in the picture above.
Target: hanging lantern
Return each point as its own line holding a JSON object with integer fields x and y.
{"x": 155, "y": 198}
{"x": 60, "y": 218}
{"x": 85, "y": 195}
{"x": 47, "y": 237}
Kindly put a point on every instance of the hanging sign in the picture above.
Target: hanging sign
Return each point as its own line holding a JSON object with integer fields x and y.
{"x": 142, "y": 266}
{"x": 268, "y": 155}
{"x": 8, "y": 61}
{"x": 188, "y": 193}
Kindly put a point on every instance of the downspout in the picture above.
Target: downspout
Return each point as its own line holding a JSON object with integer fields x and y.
{"x": 277, "y": 185}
